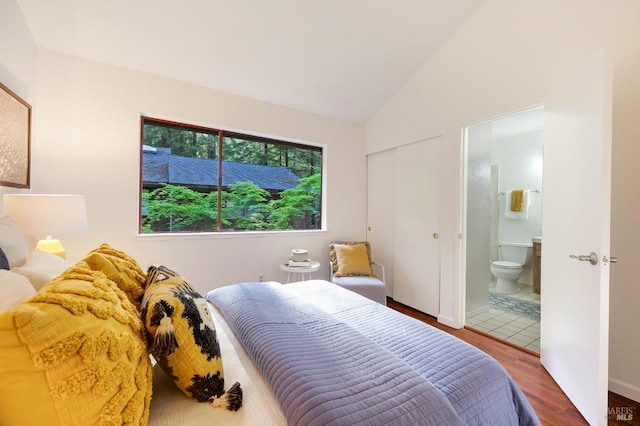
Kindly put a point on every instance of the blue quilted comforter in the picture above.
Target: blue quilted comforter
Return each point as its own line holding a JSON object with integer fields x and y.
{"x": 332, "y": 357}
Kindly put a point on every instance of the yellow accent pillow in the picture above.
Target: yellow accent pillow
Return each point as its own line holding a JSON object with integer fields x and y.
{"x": 74, "y": 354}
{"x": 351, "y": 259}
{"x": 120, "y": 268}
{"x": 182, "y": 337}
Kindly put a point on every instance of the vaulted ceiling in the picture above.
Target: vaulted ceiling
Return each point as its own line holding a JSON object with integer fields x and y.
{"x": 340, "y": 58}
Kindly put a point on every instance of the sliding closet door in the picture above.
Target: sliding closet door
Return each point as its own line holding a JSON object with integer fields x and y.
{"x": 381, "y": 186}
{"x": 417, "y": 221}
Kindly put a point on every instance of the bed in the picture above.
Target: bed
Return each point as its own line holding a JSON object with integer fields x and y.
{"x": 312, "y": 353}
{"x": 305, "y": 353}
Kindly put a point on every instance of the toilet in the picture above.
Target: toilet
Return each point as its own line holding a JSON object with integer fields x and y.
{"x": 507, "y": 271}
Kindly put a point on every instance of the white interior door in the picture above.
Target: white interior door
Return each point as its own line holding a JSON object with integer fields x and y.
{"x": 576, "y": 211}
{"x": 416, "y": 281}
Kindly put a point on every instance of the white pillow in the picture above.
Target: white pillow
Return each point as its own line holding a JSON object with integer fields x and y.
{"x": 14, "y": 289}
{"x": 41, "y": 268}
{"x": 12, "y": 242}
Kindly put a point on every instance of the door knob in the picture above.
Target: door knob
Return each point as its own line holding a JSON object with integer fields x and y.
{"x": 591, "y": 257}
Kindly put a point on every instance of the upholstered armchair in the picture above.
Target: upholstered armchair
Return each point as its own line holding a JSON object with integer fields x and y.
{"x": 352, "y": 268}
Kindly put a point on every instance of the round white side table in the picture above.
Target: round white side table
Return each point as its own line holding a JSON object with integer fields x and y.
{"x": 300, "y": 273}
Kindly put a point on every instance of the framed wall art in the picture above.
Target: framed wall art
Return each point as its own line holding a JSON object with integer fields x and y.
{"x": 15, "y": 139}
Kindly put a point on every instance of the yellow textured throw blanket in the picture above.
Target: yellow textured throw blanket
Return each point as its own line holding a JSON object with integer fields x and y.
{"x": 517, "y": 200}
{"x": 77, "y": 349}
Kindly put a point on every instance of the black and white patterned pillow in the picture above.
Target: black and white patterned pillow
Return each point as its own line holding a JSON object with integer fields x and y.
{"x": 181, "y": 336}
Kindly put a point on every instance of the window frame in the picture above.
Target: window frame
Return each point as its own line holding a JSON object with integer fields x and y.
{"x": 223, "y": 132}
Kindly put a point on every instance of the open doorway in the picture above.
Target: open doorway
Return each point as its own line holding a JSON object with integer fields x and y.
{"x": 503, "y": 229}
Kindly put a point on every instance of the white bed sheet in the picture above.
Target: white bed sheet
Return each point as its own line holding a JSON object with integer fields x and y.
{"x": 169, "y": 406}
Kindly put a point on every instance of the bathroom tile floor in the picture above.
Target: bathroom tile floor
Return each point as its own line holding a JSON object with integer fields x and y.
{"x": 520, "y": 330}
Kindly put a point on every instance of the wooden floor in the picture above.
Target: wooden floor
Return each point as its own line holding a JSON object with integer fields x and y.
{"x": 550, "y": 403}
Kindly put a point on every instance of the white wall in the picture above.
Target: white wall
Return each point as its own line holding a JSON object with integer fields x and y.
{"x": 624, "y": 338}
{"x": 17, "y": 60}
{"x": 86, "y": 140}
{"x": 519, "y": 158}
{"x": 508, "y": 56}
{"x": 17, "y": 52}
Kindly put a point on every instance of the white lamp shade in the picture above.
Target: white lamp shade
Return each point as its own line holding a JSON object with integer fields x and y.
{"x": 46, "y": 214}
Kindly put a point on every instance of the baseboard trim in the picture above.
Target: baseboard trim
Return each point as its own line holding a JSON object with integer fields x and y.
{"x": 449, "y": 322}
{"x": 624, "y": 389}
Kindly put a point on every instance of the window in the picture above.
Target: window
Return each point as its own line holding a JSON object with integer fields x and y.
{"x": 197, "y": 179}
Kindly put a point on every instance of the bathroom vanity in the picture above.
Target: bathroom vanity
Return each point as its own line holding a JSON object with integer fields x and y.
{"x": 537, "y": 256}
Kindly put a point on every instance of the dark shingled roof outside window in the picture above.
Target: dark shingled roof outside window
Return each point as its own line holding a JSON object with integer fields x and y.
{"x": 161, "y": 167}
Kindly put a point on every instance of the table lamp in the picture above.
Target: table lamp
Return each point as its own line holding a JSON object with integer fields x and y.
{"x": 46, "y": 215}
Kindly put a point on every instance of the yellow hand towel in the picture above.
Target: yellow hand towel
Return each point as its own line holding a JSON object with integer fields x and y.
{"x": 517, "y": 200}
